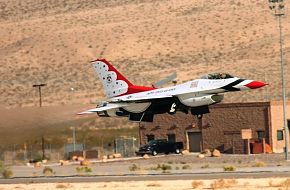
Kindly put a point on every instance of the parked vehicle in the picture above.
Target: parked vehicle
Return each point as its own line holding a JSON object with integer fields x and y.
{"x": 155, "y": 147}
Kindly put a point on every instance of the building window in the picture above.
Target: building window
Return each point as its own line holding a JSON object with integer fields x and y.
{"x": 280, "y": 135}
{"x": 261, "y": 134}
{"x": 150, "y": 137}
{"x": 171, "y": 137}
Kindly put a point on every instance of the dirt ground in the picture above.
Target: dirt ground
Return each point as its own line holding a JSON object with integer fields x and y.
{"x": 266, "y": 183}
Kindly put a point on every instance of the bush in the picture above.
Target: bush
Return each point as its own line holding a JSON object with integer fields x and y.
{"x": 186, "y": 167}
{"x": 88, "y": 170}
{"x": 162, "y": 167}
{"x": 5, "y": 171}
{"x": 134, "y": 167}
{"x": 259, "y": 164}
{"x": 84, "y": 169}
{"x": 205, "y": 166}
{"x": 47, "y": 171}
{"x": 229, "y": 168}
{"x": 196, "y": 184}
{"x": 165, "y": 167}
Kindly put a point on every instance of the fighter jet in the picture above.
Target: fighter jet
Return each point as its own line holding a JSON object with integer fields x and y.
{"x": 141, "y": 103}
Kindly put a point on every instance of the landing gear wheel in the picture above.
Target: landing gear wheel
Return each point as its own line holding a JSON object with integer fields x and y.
{"x": 177, "y": 151}
{"x": 154, "y": 153}
{"x": 199, "y": 116}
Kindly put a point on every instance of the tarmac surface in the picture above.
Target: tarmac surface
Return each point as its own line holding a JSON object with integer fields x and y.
{"x": 119, "y": 169}
{"x": 137, "y": 177}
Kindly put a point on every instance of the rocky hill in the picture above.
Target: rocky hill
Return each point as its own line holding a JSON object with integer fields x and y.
{"x": 53, "y": 41}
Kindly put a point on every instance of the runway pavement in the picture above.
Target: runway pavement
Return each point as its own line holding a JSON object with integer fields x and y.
{"x": 146, "y": 177}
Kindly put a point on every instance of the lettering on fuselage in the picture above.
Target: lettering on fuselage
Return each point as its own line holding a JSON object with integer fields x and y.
{"x": 161, "y": 91}
{"x": 194, "y": 84}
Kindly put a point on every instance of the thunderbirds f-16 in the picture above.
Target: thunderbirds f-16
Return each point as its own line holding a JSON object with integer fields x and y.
{"x": 140, "y": 103}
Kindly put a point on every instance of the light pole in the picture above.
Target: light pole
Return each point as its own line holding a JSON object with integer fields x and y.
{"x": 39, "y": 90}
{"x": 74, "y": 138}
{"x": 278, "y": 7}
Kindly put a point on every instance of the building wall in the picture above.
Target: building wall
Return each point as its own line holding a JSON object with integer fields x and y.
{"x": 165, "y": 124}
{"x": 220, "y": 129}
{"x": 277, "y": 124}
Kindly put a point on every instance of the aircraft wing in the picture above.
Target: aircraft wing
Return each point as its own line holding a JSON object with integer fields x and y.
{"x": 139, "y": 98}
{"x": 103, "y": 108}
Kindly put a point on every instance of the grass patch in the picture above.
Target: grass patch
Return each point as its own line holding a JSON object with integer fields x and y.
{"x": 229, "y": 168}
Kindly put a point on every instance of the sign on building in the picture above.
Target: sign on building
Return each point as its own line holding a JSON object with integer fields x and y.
{"x": 246, "y": 133}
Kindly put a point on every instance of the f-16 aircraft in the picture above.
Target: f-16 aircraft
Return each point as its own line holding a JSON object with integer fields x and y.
{"x": 141, "y": 103}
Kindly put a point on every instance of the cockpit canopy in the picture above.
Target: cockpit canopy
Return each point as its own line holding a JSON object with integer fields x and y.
{"x": 215, "y": 76}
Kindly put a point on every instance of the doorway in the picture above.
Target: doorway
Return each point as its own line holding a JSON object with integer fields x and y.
{"x": 195, "y": 140}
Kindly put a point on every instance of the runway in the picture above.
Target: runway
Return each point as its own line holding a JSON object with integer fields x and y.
{"x": 135, "y": 177}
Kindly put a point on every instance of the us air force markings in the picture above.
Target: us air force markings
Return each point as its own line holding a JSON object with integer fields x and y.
{"x": 153, "y": 177}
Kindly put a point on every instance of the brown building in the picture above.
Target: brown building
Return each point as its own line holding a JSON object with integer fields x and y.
{"x": 221, "y": 128}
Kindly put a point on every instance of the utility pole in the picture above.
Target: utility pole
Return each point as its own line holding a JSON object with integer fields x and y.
{"x": 39, "y": 90}
{"x": 42, "y": 148}
{"x": 74, "y": 138}
{"x": 278, "y": 8}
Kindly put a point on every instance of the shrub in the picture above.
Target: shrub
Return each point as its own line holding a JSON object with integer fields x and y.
{"x": 196, "y": 184}
{"x": 83, "y": 169}
{"x": 286, "y": 184}
{"x": 162, "y": 167}
{"x": 229, "y": 168}
{"x": 6, "y": 173}
{"x": 47, "y": 171}
{"x": 218, "y": 184}
{"x": 153, "y": 185}
{"x": 259, "y": 164}
{"x": 221, "y": 183}
{"x": 186, "y": 167}
{"x": 61, "y": 186}
{"x": 134, "y": 167}
{"x": 205, "y": 166}
{"x": 165, "y": 167}
{"x": 88, "y": 170}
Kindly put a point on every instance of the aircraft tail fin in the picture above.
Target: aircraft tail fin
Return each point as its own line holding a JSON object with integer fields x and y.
{"x": 114, "y": 83}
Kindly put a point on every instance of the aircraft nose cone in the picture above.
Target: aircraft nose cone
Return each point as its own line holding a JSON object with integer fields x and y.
{"x": 255, "y": 84}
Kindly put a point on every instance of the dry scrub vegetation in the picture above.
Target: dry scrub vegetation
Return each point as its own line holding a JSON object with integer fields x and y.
{"x": 53, "y": 41}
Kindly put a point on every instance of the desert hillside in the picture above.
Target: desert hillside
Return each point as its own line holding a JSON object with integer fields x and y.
{"x": 53, "y": 41}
